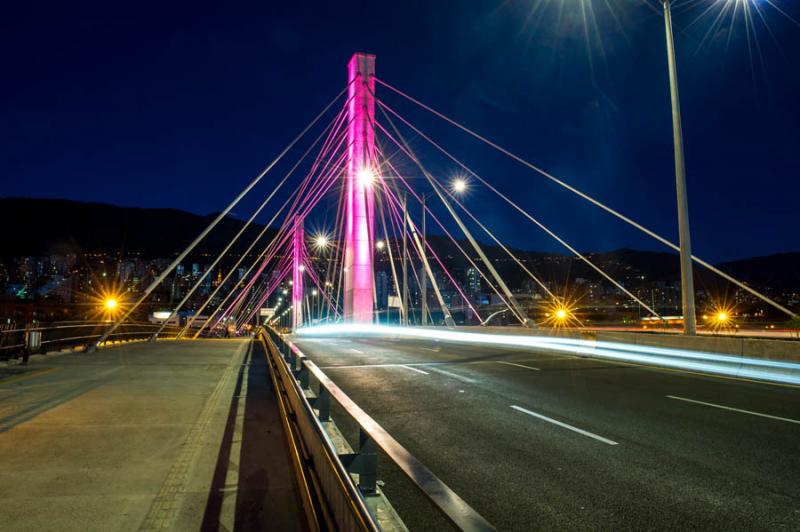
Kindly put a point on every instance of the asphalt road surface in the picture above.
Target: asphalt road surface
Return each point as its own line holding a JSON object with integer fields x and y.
{"x": 548, "y": 441}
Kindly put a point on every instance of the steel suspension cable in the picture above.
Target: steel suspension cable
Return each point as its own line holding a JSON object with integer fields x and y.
{"x": 447, "y": 233}
{"x": 163, "y": 275}
{"x": 590, "y": 199}
{"x": 507, "y": 291}
{"x": 266, "y": 227}
{"x": 548, "y": 231}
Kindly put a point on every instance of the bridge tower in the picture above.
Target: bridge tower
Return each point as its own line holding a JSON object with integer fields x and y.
{"x": 298, "y": 254}
{"x": 362, "y": 175}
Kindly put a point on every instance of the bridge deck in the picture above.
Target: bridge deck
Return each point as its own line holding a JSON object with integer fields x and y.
{"x": 177, "y": 435}
{"x": 541, "y": 441}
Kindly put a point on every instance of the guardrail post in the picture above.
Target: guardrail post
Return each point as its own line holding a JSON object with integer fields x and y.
{"x": 323, "y": 404}
{"x": 302, "y": 374}
{"x": 367, "y": 463}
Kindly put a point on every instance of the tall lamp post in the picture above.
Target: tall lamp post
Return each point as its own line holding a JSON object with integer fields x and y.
{"x": 687, "y": 278}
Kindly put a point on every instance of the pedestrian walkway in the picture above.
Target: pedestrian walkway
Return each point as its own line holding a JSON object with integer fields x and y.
{"x": 149, "y": 436}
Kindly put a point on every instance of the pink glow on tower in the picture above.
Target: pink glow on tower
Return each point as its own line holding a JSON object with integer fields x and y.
{"x": 361, "y": 172}
{"x": 298, "y": 253}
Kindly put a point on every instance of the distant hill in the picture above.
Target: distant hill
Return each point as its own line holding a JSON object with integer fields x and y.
{"x": 44, "y": 226}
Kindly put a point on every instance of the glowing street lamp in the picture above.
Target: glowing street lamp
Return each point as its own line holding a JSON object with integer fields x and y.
{"x": 111, "y": 304}
{"x": 380, "y": 244}
{"x": 365, "y": 177}
{"x": 322, "y": 241}
{"x": 459, "y": 185}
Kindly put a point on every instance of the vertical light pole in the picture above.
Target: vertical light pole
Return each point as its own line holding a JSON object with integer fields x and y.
{"x": 404, "y": 200}
{"x": 423, "y": 289}
{"x": 687, "y": 278}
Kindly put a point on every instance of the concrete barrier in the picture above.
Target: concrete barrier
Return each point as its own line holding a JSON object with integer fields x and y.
{"x": 766, "y": 348}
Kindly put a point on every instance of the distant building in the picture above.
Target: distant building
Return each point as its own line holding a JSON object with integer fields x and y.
{"x": 473, "y": 283}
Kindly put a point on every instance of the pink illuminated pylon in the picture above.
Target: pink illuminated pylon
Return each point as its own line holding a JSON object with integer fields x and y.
{"x": 361, "y": 174}
{"x": 298, "y": 253}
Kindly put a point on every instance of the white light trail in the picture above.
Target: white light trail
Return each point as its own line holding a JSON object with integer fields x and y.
{"x": 681, "y": 359}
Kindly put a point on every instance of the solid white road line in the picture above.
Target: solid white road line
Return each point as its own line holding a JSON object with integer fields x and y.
{"x": 414, "y": 369}
{"x": 357, "y": 351}
{"x": 564, "y": 425}
{"x": 723, "y": 407}
{"x": 518, "y": 365}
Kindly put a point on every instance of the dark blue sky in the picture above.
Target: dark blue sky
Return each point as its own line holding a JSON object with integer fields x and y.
{"x": 169, "y": 105}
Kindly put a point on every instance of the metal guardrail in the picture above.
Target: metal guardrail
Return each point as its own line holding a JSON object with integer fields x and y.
{"x": 16, "y": 342}
{"x": 330, "y": 471}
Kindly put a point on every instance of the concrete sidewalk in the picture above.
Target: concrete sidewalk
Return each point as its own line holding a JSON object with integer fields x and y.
{"x": 171, "y": 435}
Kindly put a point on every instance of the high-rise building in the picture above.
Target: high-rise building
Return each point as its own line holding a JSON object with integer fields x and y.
{"x": 473, "y": 283}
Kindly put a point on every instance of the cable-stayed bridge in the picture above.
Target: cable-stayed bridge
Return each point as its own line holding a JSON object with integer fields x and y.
{"x": 405, "y": 402}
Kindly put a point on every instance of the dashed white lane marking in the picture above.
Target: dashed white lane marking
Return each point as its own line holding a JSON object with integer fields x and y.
{"x": 732, "y": 409}
{"x": 564, "y": 425}
{"x": 430, "y": 349}
{"x": 414, "y": 369}
{"x": 356, "y": 351}
{"x": 453, "y": 375}
{"x": 518, "y": 365}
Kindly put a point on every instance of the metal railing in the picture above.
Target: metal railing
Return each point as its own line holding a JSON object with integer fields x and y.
{"x": 341, "y": 500}
{"x": 14, "y": 342}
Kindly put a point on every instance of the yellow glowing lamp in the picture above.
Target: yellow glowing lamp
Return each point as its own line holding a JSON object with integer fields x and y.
{"x": 111, "y": 303}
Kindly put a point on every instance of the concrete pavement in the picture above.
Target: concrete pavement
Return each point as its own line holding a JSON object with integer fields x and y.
{"x": 170, "y": 435}
{"x": 541, "y": 441}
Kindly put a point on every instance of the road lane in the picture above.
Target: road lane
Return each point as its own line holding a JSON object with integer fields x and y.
{"x": 675, "y": 466}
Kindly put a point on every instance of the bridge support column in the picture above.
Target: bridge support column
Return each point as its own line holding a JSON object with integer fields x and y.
{"x": 362, "y": 175}
{"x": 298, "y": 252}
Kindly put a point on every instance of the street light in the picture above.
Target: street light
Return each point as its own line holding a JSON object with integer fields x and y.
{"x": 321, "y": 241}
{"x": 687, "y": 277}
{"x": 459, "y": 185}
{"x": 379, "y": 244}
{"x": 111, "y": 304}
{"x": 365, "y": 177}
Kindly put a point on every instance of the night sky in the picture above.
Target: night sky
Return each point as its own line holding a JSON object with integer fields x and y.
{"x": 169, "y": 105}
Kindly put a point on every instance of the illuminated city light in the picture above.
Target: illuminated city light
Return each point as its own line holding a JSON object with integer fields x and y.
{"x": 459, "y": 185}
{"x": 111, "y": 303}
{"x": 321, "y": 242}
{"x": 379, "y": 244}
{"x": 561, "y": 313}
{"x": 366, "y": 177}
{"x": 721, "y": 317}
